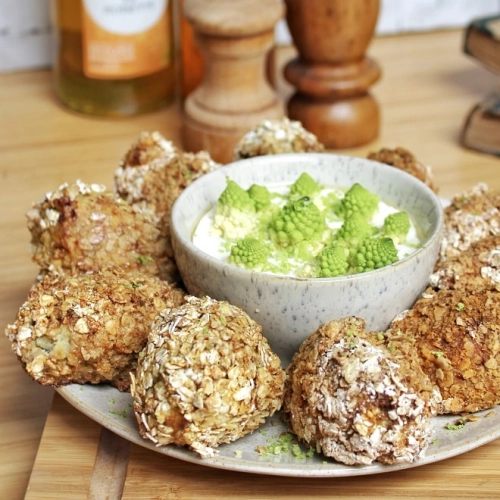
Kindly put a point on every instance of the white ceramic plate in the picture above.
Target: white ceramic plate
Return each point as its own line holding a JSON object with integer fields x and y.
{"x": 113, "y": 409}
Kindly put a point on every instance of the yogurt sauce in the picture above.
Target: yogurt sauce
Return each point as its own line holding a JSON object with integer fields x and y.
{"x": 208, "y": 239}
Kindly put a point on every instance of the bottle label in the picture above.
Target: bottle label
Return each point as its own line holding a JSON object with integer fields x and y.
{"x": 125, "y": 38}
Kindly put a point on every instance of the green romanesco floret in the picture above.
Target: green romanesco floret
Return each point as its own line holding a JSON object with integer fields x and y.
{"x": 354, "y": 230}
{"x": 332, "y": 261}
{"x": 396, "y": 226}
{"x": 299, "y": 220}
{"x": 234, "y": 196}
{"x": 235, "y": 214}
{"x": 374, "y": 253}
{"x": 260, "y": 196}
{"x": 250, "y": 253}
{"x": 358, "y": 199}
{"x": 305, "y": 185}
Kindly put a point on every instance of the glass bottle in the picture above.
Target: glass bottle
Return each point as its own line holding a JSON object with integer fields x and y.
{"x": 114, "y": 57}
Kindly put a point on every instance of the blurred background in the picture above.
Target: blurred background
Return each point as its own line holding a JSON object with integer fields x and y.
{"x": 25, "y": 27}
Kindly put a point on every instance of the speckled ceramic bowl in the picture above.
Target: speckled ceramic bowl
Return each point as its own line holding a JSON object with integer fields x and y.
{"x": 290, "y": 309}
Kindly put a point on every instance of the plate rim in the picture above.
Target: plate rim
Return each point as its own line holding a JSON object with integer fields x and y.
{"x": 265, "y": 467}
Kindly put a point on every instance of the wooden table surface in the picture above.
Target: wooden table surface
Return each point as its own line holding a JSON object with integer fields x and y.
{"x": 427, "y": 88}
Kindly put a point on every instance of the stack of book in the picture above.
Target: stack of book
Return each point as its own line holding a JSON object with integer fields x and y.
{"x": 481, "y": 130}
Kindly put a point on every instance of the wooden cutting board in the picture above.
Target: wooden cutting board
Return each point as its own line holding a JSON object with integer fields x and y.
{"x": 73, "y": 450}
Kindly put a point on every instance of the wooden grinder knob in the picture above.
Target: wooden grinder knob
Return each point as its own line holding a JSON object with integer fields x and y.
{"x": 234, "y": 38}
{"x": 331, "y": 74}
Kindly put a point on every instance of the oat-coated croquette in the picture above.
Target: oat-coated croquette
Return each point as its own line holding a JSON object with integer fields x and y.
{"x": 348, "y": 398}
{"x": 405, "y": 160}
{"x": 151, "y": 177}
{"x": 470, "y": 217}
{"x": 148, "y": 147}
{"x": 476, "y": 267}
{"x": 88, "y": 328}
{"x": 207, "y": 376}
{"x": 456, "y": 338}
{"x": 271, "y": 137}
{"x": 82, "y": 228}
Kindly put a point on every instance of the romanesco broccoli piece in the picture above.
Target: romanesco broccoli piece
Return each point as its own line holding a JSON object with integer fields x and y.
{"x": 396, "y": 226}
{"x": 305, "y": 185}
{"x": 299, "y": 220}
{"x": 374, "y": 253}
{"x": 260, "y": 196}
{"x": 235, "y": 212}
{"x": 355, "y": 229}
{"x": 332, "y": 261}
{"x": 234, "y": 196}
{"x": 358, "y": 199}
{"x": 249, "y": 253}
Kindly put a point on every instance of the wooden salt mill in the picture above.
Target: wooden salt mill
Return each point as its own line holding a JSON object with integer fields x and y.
{"x": 234, "y": 38}
{"x": 331, "y": 74}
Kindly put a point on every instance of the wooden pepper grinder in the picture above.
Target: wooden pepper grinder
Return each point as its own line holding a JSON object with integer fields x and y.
{"x": 331, "y": 74}
{"x": 234, "y": 38}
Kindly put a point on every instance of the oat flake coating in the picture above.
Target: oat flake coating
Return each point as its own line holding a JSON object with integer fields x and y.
{"x": 272, "y": 137}
{"x": 475, "y": 268}
{"x": 83, "y": 228}
{"x": 405, "y": 160}
{"x": 457, "y": 342}
{"x": 207, "y": 376}
{"x": 152, "y": 178}
{"x": 146, "y": 148}
{"x": 471, "y": 216}
{"x": 88, "y": 328}
{"x": 156, "y": 185}
{"x": 346, "y": 397}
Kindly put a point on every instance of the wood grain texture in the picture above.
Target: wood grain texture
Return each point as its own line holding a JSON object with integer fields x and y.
{"x": 234, "y": 94}
{"x": 427, "y": 88}
{"x": 110, "y": 467}
{"x": 65, "y": 473}
{"x": 332, "y": 76}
